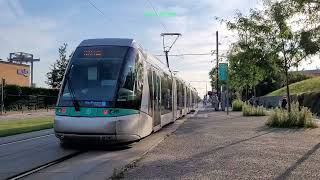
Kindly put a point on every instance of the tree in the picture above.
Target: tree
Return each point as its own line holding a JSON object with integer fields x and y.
{"x": 309, "y": 13}
{"x": 213, "y": 79}
{"x": 291, "y": 46}
{"x": 249, "y": 56}
{"x": 273, "y": 40}
{"x": 212, "y": 76}
{"x": 57, "y": 70}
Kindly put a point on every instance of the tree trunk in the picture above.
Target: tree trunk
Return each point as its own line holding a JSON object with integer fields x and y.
{"x": 287, "y": 84}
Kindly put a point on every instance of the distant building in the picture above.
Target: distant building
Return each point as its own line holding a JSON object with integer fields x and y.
{"x": 15, "y": 74}
{"x": 315, "y": 72}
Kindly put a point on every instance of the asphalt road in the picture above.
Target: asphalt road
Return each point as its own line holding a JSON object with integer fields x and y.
{"x": 101, "y": 162}
{"x": 214, "y": 146}
{"x": 24, "y": 152}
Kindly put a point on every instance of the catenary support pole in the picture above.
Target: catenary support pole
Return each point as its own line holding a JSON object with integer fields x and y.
{"x": 217, "y": 67}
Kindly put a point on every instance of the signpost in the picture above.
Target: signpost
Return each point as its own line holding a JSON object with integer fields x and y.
{"x": 223, "y": 76}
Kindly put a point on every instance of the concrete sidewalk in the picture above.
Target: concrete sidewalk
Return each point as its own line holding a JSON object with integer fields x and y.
{"x": 214, "y": 146}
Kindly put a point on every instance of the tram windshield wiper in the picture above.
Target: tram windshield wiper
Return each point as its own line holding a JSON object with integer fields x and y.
{"x": 71, "y": 91}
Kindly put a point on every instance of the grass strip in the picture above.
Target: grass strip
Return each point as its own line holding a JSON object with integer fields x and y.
{"x": 12, "y": 127}
{"x": 309, "y": 85}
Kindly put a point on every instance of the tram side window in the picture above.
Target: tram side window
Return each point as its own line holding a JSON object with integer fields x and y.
{"x": 130, "y": 92}
{"x": 180, "y": 95}
{"x": 166, "y": 94}
{"x": 150, "y": 91}
{"x": 188, "y": 98}
{"x": 183, "y": 95}
{"x": 193, "y": 99}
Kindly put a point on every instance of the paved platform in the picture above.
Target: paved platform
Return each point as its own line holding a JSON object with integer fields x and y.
{"x": 213, "y": 145}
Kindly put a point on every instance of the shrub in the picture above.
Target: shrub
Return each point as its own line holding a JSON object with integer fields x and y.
{"x": 237, "y": 105}
{"x": 19, "y": 90}
{"x": 248, "y": 110}
{"x": 21, "y": 98}
{"x": 297, "y": 118}
{"x": 310, "y": 100}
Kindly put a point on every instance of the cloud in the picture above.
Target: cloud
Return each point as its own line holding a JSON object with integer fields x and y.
{"x": 42, "y": 35}
{"x": 21, "y": 32}
{"x": 197, "y": 24}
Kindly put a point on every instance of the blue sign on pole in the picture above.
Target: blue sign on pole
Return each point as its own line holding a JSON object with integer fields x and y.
{"x": 223, "y": 71}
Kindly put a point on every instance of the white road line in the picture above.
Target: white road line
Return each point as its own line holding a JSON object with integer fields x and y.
{"x": 23, "y": 140}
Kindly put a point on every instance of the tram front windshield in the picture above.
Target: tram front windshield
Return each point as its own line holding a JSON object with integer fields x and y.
{"x": 92, "y": 76}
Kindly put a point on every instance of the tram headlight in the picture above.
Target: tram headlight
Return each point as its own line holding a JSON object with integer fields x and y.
{"x": 63, "y": 110}
{"x": 105, "y": 112}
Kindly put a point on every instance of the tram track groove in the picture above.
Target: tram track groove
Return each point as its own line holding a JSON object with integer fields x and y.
{"x": 26, "y": 139}
{"x": 44, "y": 166}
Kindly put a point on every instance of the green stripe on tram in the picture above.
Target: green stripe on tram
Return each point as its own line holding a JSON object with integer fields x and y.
{"x": 94, "y": 112}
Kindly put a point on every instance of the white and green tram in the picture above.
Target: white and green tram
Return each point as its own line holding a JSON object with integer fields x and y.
{"x": 114, "y": 91}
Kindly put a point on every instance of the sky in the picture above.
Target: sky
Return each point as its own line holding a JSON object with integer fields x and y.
{"x": 40, "y": 27}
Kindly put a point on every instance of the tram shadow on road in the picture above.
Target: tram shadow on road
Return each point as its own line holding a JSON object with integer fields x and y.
{"x": 95, "y": 146}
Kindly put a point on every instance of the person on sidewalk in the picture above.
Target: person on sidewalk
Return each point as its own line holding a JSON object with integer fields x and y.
{"x": 284, "y": 103}
{"x": 215, "y": 102}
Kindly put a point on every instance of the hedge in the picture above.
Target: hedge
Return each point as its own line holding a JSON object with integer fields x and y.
{"x": 17, "y": 90}
{"x": 18, "y": 98}
{"x": 310, "y": 100}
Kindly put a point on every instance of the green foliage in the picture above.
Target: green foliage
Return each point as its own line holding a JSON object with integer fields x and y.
{"x": 18, "y": 90}
{"x": 237, "y": 105}
{"x": 309, "y": 85}
{"x": 248, "y": 56}
{"x": 294, "y": 77}
{"x": 270, "y": 42}
{"x": 22, "y": 126}
{"x": 57, "y": 70}
{"x": 18, "y": 98}
{"x": 308, "y": 11}
{"x": 213, "y": 77}
{"x": 213, "y": 80}
{"x": 296, "y": 118}
{"x": 310, "y": 100}
{"x": 248, "y": 110}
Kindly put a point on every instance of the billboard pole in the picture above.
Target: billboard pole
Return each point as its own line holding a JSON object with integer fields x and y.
{"x": 22, "y": 57}
{"x": 2, "y": 95}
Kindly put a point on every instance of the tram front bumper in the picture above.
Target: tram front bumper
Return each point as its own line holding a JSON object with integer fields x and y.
{"x": 102, "y": 129}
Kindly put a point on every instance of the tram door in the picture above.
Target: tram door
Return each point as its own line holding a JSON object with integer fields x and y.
{"x": 157, "y": 95}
